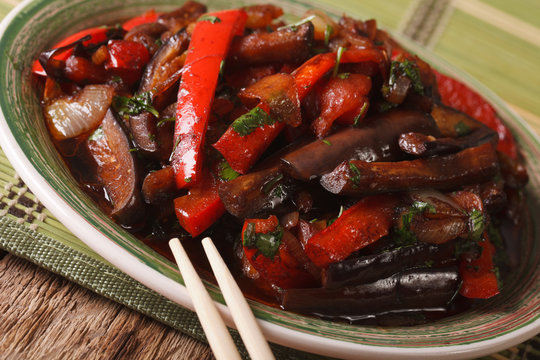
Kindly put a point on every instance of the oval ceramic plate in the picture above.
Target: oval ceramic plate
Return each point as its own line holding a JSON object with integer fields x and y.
{"x": 507, "y": 320}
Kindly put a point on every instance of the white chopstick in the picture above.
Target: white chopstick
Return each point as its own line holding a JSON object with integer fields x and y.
{"x": 243, "y": 317}
{"x": 216, "y": 332}
{"x": 218, "y": 335}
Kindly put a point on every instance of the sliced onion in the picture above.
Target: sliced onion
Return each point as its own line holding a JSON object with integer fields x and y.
{"x": 70, "y": 116}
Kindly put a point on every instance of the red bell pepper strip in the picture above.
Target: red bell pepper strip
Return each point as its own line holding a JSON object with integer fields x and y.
{"x": 267, "y": 251}
{"x": 241, "y": 152}
{"x": 479, "y": 278}
{"x": 460, "y": 96}
{"x": 148, "y": 17}
{"x": 201, "y": 207}
{"x": 127, "y": 59}
{"x": 362, "y": 224}
{"x": 478, "y": 273}
{"x": 208, "y": 47}
{"x": 97, "y": 35}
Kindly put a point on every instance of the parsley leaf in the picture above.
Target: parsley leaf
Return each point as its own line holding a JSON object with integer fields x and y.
{"x": 210, "y": 18}
{"x": 226, "y": 173}
{"x": 403, "y": 234}
{"x": 266, "y": 244}
{"x": 247, "y": 123}
{"x": 134, "y": 105}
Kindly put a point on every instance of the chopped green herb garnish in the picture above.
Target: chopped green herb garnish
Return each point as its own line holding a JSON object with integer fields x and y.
{"x": 331, "y": 221}
{"x": 226, "y": 173}
{"x": 270, "y": 184}
{"x": 165, "y": 120}
{"x": 344, "y": 75}
{"x": 210, "y": 18}
{"x": 295, "y": 26}
{"x": 476, "y": 224}
{"x": 221, "y": 68}
{"x": 327, "y": 142}
{"x": 177, "y": 141}
{"x": 462, "y": 128}
{"x": 340, "y": 52}
{"x": 188, "y": 179}
{"x": 313, "y": 220}
{"x": 355, "y": 178}
{"x": 328, "y": 31}
{"x": 158, "y": 42}
{"x": 133, "y": 149}
{"x": 247, "y": 123}
{"x": 363, "y": 110}
{"x": 97, "y": 134}
{"x": 134, "y": 105}
{"x": 266, "y": 244}
{"x": 403, "y": 235}
{"x": 407, "y": 68}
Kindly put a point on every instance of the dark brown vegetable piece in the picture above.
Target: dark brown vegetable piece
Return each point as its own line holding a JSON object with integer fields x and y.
{"x": 260, "y": 16}
{"x": 282, "y": 46}
{"x": 146, "y": 34}
{"x": 453, "y": 123}
{"x": 366, "y": 269}
{"x": 377, "y": 140}
{"x": 412, "y": 289}
{"x": 159, "y": 185}
{"x": 160, "y": 76}
{"x": 117, "y": 171}
{"x": 358, "y": 177}
{"x": 421, "y": 145}
{"x": 181, "y": 17}
{"x": 255, "y": 192}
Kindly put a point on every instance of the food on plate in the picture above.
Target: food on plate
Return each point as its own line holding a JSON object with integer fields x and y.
{"x": 339, "y": 174}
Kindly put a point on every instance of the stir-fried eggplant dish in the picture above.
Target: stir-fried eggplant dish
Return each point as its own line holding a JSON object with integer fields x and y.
{"x": 339, "y": 174}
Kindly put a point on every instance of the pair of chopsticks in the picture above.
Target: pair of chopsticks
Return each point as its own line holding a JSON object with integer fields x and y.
{"x": 218, "y": 336}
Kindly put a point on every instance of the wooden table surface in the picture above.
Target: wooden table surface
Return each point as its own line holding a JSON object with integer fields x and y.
{"x": 45, "y": 316}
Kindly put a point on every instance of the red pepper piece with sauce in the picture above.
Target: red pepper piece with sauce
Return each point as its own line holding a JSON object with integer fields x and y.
{"x": 268, "y": 252}
{"x": 96, "y": 35}
{"x": 127, "y": 59}
{"x": 208, "y": 47}
{"x": 478, "y": 270}
{"x": 362, "y": 224}
{"x": 201, "y": 207}
{"x": 242, "y": 151}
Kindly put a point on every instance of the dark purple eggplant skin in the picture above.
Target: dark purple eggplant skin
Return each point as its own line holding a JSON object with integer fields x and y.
{"x": 128, "y": 208}
{"x": 376, "y": 140}
{"x": 366, "y": 269}
{"x": 161, "y": 73}
{"x": 282, "y": 46}
{"x": 254, "y": 193}
{"x": 417, "y": 289}
{"x": 466, "y": 167}
{"x": 446, "y": 145}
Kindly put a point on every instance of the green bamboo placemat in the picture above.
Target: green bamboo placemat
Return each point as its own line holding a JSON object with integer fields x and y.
{"x": 485, "y": 38}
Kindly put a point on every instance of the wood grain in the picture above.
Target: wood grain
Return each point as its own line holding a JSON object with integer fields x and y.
{"x": 44, "y": 316}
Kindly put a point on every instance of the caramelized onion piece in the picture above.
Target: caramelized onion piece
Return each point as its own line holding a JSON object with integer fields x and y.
{"x": 117, "y": 171}
{"x": 70, "y": 116}
{"x": 181, "y": 17}
{"x": 358, "y": 177}
{"x": 453, "y": 123}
